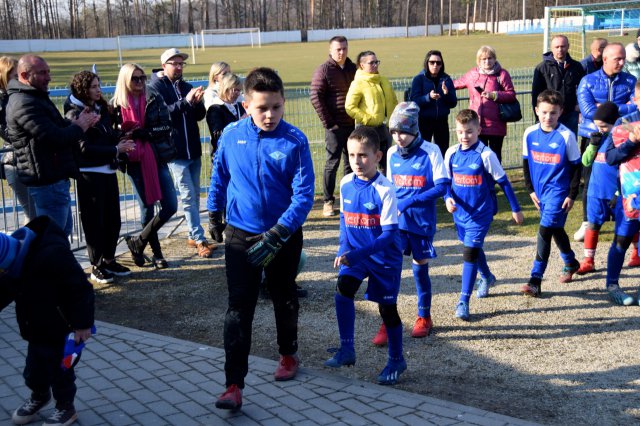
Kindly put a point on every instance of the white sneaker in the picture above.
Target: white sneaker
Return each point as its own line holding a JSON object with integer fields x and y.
{"x": 579, "y": 235}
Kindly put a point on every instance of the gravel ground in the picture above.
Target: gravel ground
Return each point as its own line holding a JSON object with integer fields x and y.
{"x": 566, "y": 358}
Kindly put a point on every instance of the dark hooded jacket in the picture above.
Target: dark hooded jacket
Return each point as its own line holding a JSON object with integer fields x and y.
{"x": 51, "y": 291}
{"x": 184, "y": 116}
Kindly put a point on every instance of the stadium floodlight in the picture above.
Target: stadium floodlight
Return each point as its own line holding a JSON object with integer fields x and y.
{"x": 230, "y": 37}
{"x": 575, "y": 21}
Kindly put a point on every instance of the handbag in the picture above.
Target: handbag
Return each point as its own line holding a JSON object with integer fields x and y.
{"x": 510, "y": 113}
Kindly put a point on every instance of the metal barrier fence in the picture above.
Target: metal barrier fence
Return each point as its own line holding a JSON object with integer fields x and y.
{"x": 299, "y": 112}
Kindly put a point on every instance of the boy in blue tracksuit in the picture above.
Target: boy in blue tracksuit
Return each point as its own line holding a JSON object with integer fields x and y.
{"x": 551, "y": 163}
{"x": 416, "y": 169}
{"x": 263, "y": 180}
{"x": 474, "y": 170}
{"x": 370, "y": 248}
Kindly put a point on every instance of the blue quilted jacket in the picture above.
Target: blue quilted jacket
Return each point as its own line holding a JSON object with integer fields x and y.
{"x": 596, "y": 88}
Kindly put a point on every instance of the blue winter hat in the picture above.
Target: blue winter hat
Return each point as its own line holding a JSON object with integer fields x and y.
{"x": 405, "y": 118}
{"x": 8, "y": 250}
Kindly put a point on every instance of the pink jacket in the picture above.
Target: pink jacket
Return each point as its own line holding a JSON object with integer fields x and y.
{"x": 488, "y": 110}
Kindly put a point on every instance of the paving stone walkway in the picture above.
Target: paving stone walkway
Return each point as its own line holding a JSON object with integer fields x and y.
{"x": 130, "y": 377}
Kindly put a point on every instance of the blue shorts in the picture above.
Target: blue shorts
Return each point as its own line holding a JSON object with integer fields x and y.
{"x": 625, "y": 227}
{"x": 552, "y": 215}
{"x": 384, "y": 280}
{"x": 420, "y": 246}
{"x": 599, "y": 211}
{"x": 472, "y": 236}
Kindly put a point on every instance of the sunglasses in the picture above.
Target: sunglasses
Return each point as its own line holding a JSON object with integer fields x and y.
{"x": 141, "y": 79}
{"x": 373, "y": 63}
{"x": 435, "y": 62}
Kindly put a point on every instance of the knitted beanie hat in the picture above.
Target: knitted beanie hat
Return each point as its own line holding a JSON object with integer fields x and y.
{"x": 8, "y": 250}
{"x": 607, "y": 112}
{"x": 405, "y": 118}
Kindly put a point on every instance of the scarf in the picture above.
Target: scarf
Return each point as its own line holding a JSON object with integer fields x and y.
{"x": 411, "y": 148}
{"x": 133, "y": 118}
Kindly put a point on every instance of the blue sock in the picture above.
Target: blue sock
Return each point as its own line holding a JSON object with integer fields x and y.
{"x": 395, "y": 342}
{"x": 568, "y": 258}
{"x": 423, "y": 288}
{"x": 483, "y": 266}
{"x": 469, "y": 274}
{"x": 538, "y": 269}
{"x": 615, "y": 259}
{"x": 346, "y": 314}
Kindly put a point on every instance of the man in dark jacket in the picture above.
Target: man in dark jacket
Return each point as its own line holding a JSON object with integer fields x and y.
{"x": 329, "y": 86}
{"x": 593, "y": 62}
{"x": 52, "y": 299}
{"x": 186, "y": 108}
{"x": 43, "y": 140}
{"x": 558, "y": 71}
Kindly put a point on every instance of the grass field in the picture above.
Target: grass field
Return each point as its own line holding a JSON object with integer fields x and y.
{"x": 401, "y": 57}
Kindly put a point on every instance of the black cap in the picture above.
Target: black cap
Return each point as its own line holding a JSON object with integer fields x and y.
{"x": 607, "y": 112}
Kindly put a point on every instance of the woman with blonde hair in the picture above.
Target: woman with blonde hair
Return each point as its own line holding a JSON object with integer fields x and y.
{"x": 216, "y": 73}
{"x": 371, "y": 100}
{"x": 225, "y": 109}
{"x": 489, "y": 85}
{"x": 9, "y": 71}
{"x": 144, "y": 117}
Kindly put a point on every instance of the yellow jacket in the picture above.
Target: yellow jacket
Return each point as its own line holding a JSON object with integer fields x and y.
{"x": 370, "y": 99}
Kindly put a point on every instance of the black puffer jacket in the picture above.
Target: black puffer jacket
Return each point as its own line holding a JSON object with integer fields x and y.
{"x": 43, "y": 140}
{"x": 98, "y": 146}
{"x": 157, "y": 126}
{"x": 51, "y": 291}
{"x": 548, "y": 75}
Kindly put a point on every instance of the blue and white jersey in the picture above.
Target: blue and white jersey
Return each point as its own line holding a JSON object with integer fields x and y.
{"x": 551, "y": 157}
{"x": 604, "y": 178}
{"x": 413, "y": 176}
{"x": 473, "y": 173}
{"x": 367, "y": 208}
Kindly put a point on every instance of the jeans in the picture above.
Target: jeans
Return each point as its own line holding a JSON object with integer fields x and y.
{"x": 54, "y": 200}
{"x": 570, "y": 119}
{"x": 186, "y": 174}
{"x": 42, "y": 374}
{"x": 243, "y": 283}
{"x": 336, "y": 146}
{"x": 168, "y": 204}
{"x": 21, "y": 192}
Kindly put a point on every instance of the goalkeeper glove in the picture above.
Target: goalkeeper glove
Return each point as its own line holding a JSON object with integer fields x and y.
{"x": 263, "y": 252}
{"x": 216, "y": 227}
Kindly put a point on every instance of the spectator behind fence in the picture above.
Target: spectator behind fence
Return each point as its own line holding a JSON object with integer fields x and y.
{"x": 559, "y": 72}
{"x": 8, "y": 72}
{"x": 43, "y": 140}
{"x": 432, "y": 89}
{"x": 371, "y": 100}
{"x": 225, "y": 108}
{"x": 98, "y": 193}
{"x": 632, "y": 63}
{"x": 489, "y": 85}
{"x": 217, "y": 71}
{"x": 609, "y": 83}
{"x": 329, "y": 87}
{"x": 143, "y": 116}
{"x": 52, "y": 300}
{"x": 186, "y": 108}
{"x": 593, "y": 62}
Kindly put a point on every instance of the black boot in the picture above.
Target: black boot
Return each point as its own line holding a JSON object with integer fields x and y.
{"x": 136, "y": 247}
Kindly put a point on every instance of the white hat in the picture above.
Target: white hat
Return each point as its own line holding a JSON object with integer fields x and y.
{"x": 170, "y": 53}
